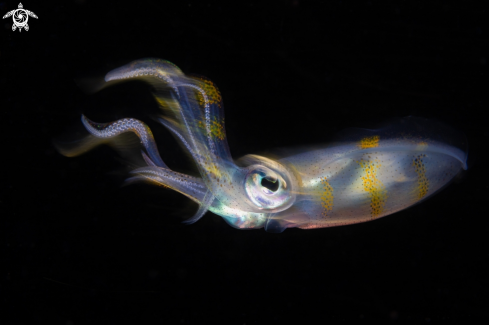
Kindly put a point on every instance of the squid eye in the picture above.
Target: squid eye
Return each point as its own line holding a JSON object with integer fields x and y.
{"x": 266, "y": 188}
{"x": 270, "y": 183}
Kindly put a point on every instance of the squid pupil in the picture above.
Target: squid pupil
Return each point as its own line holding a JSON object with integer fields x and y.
{"x": 272, "y": 186}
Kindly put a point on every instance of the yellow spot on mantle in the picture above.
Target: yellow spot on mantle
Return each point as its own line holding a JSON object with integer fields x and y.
{"x": 326, "y": 196}
{"x": 423, "y": 182}
{"x": 373, "y": 186}
{"x": 369, "y": 142}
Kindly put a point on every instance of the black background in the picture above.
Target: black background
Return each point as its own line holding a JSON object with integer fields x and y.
{"x": 81, "y": 249}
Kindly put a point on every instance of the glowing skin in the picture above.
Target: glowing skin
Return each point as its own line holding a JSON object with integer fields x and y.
{"x": 365, "y": 175}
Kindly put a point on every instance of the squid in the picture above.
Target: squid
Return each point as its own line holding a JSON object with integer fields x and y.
{"x": 364, "y": 175}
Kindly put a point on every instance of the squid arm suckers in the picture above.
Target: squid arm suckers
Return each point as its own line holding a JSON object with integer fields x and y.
{"x": 365, "y": 175}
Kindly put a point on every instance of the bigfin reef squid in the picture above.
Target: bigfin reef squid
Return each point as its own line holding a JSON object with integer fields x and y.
{"x": 365, "y": 175}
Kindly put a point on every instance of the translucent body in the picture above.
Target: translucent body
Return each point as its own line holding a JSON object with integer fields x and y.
{"x": 365, "y": 175}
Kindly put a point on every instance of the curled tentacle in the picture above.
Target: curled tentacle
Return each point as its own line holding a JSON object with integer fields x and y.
{"x": 160, "y": 69}
{"x": 125, "y": 144}
{"x": 109, "y": 130}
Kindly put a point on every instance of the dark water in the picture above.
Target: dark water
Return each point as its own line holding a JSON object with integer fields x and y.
{"x": 80, "y": 249}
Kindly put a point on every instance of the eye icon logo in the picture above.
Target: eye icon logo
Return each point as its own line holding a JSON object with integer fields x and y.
{"x": 20, "y": 17}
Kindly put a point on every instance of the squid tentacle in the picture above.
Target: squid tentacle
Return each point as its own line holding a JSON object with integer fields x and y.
{"x": 187, "y": 185}
{"x": 203, "y": 208}
{"x": 174, "y": 177}
{"x": 147, "y": 159}
{"x": 109, "y": 130}
{"x": 206, "y": 113}
{"x": 160, "y": 69}
{"x": 167, "y": 124}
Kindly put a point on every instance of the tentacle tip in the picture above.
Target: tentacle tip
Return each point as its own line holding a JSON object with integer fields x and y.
{"x": 192, "y": 220}
{"x": 87, "y": 122}
{"x": 115, "y": 74}
{"x": 197, "y": 216}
